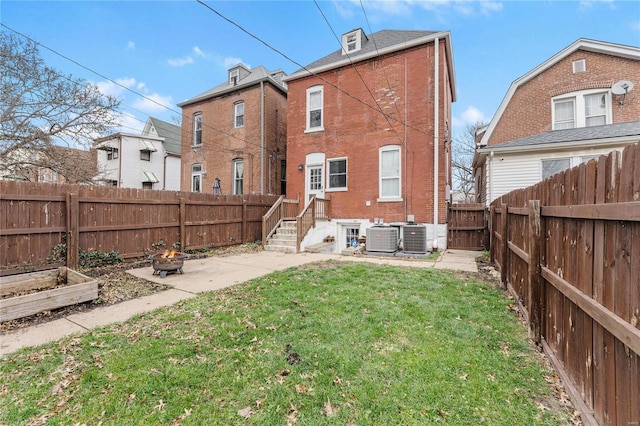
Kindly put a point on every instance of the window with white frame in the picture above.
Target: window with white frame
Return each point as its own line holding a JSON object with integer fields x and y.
{"x": 112, "y": 154}
{"x": 315, "y": 108}
{"x": 234, "y": 76}
{"x": 196, "y": 178}
{"x": 351, "y": 236}
{"x": 390, "y": 173}
{"x": 238, "y": 115}
{"x": 145, "y": 155}
{"x": 197, "y": 129}
{"x": 581, "y": 109}
{"x": 337, "y": 176}
{"x": 238, "y": 176}
{"x": 551, "y": 166}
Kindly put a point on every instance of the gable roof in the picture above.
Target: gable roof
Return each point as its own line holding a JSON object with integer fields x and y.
{"x": 595, "y": 46}
{"x": 170, "y": 133}
{"x": 255, "y": 76}
{"x": 378, "y": 44}
{"x": 613, "y": 133}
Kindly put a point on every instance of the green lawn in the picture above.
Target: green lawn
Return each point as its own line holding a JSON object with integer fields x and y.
{"x": 323, "y": 344}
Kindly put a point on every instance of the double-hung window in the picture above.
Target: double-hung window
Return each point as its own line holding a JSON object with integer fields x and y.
{"x": 315, "y": 101}
{"x": 581, "y": 109}
{"x": 337, "y": 174}
{"x": 238, "y": 176}
{"x": 552, "y": 166}
{"x": 197, "y": 129}
{"x": 196, "y": 178}
{"x": 390, "y": 182}
{"x": 238, "y": 115}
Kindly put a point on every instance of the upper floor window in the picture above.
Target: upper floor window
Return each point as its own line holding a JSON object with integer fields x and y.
{"x": 112, "y": 154}
{"x": 197, "y": 129}
{"x": 238, "y": 115}
{"x": 390, "y": 182}
{"x": 581, "y": 109}
{"x": 238, "y": 176}
{"x": 234, "y": 76}
{"x": 352, "y": 41}
{"x": 196, "y": 178}
{"x": 337, "y": 173}
{"x": 145, "y": 155}
{"x": 315, "y": 108}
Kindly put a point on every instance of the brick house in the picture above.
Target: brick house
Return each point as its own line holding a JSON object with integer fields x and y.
{"x": 234, "y": 135}
{"x": 561, "y": 113}
{"x": 369, "y": 129}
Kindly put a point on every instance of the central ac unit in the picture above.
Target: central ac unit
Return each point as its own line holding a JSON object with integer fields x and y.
{"x": 382, "y": 239}
{"x": 414, "y": 238}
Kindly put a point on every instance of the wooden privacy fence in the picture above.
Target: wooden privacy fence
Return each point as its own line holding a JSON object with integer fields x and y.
{"x": 467, "y": 227}
{"x": 568, "y": 249}
{"x": 36, "y": 217}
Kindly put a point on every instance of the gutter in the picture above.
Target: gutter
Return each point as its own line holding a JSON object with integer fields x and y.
{"x": 436, "y": 103}
{"x": 557, "y": 146}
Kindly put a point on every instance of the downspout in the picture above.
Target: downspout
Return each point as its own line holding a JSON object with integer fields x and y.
{"x": 489, "y": 173}
{"x": 262, "y": 138}
{"x": 406, "y": 182}
{"x": 436, "y": 95}
{"x": 120, "y": 161}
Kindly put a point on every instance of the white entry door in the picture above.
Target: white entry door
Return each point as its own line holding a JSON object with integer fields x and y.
{"x": 315, "y": 179}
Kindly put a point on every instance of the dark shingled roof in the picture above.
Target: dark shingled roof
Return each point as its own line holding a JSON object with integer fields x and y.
{"x": 631, "y": 128}
{"x": 376, "y": 41}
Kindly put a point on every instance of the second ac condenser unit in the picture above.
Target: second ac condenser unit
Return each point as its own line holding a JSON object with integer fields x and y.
{"x": 382, "y": 239}
{"x": 414, "y": 238}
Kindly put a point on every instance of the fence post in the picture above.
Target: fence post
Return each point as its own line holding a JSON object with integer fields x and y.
{"x": 492, "y": 248}
{"x": 182, "y": 218}
{"x": 504, "y": 230}
{"x": 73, "y": 234}
{"x": 535, "y": 279}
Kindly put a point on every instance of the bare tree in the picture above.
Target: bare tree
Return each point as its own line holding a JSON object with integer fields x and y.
{"x": 463, "y": 149}
{"x": 41, "y": 109}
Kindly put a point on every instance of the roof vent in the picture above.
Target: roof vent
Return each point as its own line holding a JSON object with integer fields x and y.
{"x": 579, "y": 66}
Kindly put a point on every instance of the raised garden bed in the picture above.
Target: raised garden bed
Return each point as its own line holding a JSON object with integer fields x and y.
{"x": 27, "y": 294}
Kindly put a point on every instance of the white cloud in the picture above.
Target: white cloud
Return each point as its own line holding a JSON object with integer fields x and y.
{"x": 406, "y": 7}
{"x": 131, "y": 45}
{"x": 153, "y": 102}
{"x": 116, "y": 87}
{"x": 180, "y": 61}
{"x": 232, "y": 61}
{"x": 472, "y": 115}
{"x": 198, "y": 52}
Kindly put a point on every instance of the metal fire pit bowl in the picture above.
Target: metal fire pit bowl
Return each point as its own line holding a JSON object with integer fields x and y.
{"x": 163, "y": 265}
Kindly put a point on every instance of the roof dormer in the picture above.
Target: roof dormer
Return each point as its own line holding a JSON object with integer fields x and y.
{"x": 352, "y": 41}
{"x": 237, "y": 73}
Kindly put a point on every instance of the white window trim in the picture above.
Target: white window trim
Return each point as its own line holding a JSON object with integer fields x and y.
{"x": 236, "y": 115}
{"x": 383, "y": 149}
{"x": 196, "y": 117}
{"x": 320, "y": 128}
{"x": 193, "y": 174}
{"x": 236, "y": 162}
{"x": 579, "y": 106}
{"x": 328, "y": 175}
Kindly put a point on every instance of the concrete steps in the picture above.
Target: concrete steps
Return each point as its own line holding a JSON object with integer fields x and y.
{"x": 284, "y": 239}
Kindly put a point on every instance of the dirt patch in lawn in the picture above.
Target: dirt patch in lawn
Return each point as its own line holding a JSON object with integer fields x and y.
{"x": 115, "y": 285}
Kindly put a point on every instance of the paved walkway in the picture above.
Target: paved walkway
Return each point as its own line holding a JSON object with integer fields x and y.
{"x": 212, "y": 273}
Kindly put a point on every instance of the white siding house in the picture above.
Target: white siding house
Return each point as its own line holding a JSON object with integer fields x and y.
{"x": 145, "y": 161}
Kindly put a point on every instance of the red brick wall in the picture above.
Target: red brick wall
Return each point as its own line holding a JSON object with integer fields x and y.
{"x": 222, "y": 143}
{"x": 529, "y": 110}
{"x": 402, "y": 85}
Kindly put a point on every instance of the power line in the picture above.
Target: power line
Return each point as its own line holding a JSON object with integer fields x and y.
{"x": 221, "y": 149}
{"x": 305, "y": 68}
{"x": 355, "y": 68}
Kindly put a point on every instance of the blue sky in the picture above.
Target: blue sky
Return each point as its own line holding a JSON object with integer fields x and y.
{"x": 169, "y": 51}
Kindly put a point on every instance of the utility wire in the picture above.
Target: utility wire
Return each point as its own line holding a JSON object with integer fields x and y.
{"x": 355, "y": 68}
{"x": 221, "y": 149}
{"x": 303, "y": 67}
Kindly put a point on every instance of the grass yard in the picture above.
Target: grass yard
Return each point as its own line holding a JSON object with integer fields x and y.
{"x": 324, "y": 344}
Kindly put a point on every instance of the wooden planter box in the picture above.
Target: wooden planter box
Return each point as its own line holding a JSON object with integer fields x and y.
{"x": 73, "y": 288}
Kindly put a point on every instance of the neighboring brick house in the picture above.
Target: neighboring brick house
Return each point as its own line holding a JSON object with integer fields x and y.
{"x": 149, "y": 160}
{"x": 561, "y": 113}
{"x": 234, "y": 135}
{"x": 364, "y": 126}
